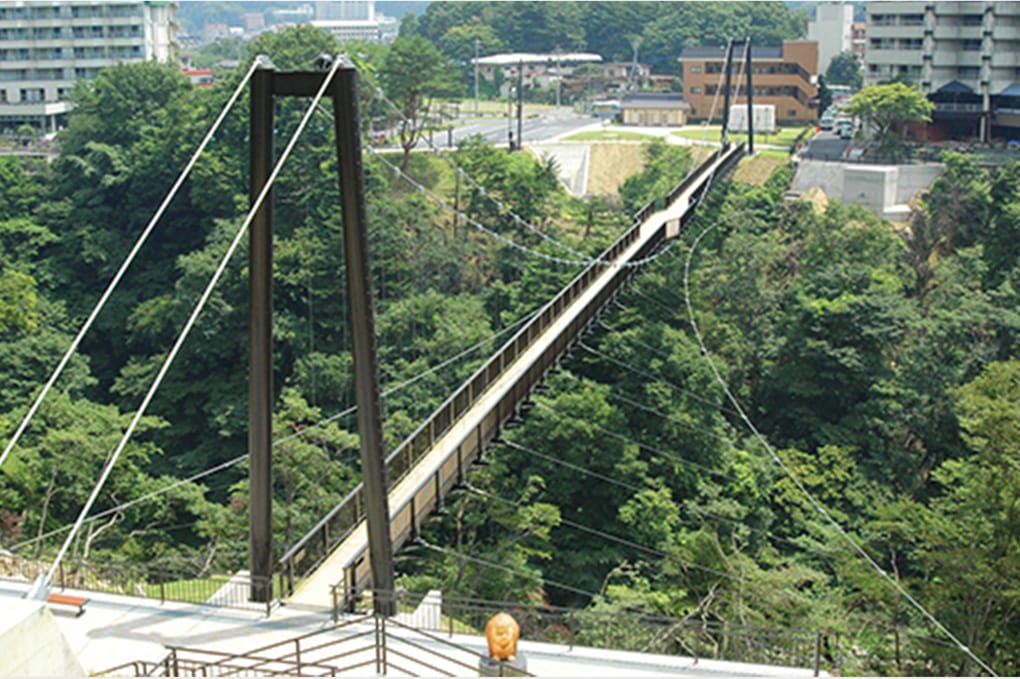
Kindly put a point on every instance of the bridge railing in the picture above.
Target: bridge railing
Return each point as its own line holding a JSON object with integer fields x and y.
{"x": 358, "y": 646}
{"x": 621, "y": 630}
{"x": 162, "y": 582}
{"x": 312, "y": 549}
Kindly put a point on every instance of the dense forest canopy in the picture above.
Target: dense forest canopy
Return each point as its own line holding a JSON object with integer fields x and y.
{"x": 879, "y": 363}
{"x": 650, "y": 32}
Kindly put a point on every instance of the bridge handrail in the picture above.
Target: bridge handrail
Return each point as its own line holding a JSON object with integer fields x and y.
{"x": 403, "y": 458}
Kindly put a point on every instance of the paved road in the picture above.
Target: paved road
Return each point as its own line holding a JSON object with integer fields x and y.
{"x": 542, "y": 127}
{"x": 826, "y": 146}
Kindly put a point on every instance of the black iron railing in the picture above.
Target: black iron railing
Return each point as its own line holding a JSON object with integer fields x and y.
{"x": 182, "y": 582}
{"x": 615, "y": 630}
{"x": 370, "y": 644}
{"x": 313, "y": 548}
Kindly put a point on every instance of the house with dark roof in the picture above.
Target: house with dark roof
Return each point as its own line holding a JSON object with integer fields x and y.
{"x": 654, "y": 108}
{"x": 785, "y": 77}
{"x": 1006, "y": 112}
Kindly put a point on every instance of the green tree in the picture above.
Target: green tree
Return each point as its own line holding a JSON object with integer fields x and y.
{"x": 824, "y": 94}
{"x": 882, "y": 108}
{"x": 458, "y": 43}
{"x": 413, "y": 73}
{"x": 845, "y": 69}
{"x": 664, "y": 167}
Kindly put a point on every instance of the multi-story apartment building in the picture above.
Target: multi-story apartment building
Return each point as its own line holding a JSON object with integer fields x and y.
{"x": 965, "y": 56}
{"x": 48, "y": 45}
{"x": 785, "y": 77}
{"x": 832, "y": 30}
{"x": 355, "y": 20}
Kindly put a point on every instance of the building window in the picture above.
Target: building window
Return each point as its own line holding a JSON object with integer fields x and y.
{"x": 792, "y": 113}
{"x": 695, "y": 90}
{"x": 32, "y": 94}
{"x": 85, "y": 11}
{"x": 972, "y": 19}
{"x": 695, "y": 69}
{"x": 971, "y": 45}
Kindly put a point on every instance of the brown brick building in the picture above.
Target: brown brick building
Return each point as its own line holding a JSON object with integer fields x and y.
{"x": 785, "y": 77}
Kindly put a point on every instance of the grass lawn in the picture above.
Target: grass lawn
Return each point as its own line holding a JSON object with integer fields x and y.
{"x": 195, "y": 590}
{"x": 784, "y": 136}
{"x": 610, "y": 135}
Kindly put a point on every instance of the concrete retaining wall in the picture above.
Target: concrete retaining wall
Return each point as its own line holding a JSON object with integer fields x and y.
{"x": 885, "y": 190}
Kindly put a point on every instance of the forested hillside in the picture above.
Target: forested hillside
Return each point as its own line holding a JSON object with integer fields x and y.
{"x": 783, "y": 383}
{"x": 650, "y": 32}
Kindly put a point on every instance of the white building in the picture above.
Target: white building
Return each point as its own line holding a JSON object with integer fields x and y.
{"x": 964, "y": 55}
{"x": 832, "y": 29}
{"x": 355, "y": 20}
{"x": 48, "y": 45}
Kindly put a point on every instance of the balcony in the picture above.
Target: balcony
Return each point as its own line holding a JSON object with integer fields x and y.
{"x": 904, "y": 57}
{"x": 950, "y": 57}
{"x": 1005, "y": 58}
{"x": 956, "y": 107}
{"x": 896, "y": 31}
{"x": 1006, "y": 31}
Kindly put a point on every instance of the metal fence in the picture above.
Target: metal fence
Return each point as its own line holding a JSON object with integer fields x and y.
{"x": 370, "y": 644}
{"x": 182, "y": 582}
{"x": 616, "y": 630}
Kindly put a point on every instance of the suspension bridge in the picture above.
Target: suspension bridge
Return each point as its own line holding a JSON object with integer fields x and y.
{"x": 336, "y": 561}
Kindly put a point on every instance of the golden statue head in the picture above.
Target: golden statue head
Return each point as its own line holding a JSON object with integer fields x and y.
{"x": 502, "y": 633}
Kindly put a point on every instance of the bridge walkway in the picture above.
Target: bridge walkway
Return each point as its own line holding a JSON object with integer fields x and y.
{"x": 434, "y": 459}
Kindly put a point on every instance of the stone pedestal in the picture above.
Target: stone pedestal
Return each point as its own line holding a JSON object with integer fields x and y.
{"x": 518, "y": 667}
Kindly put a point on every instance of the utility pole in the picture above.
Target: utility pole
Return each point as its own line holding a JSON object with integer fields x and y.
{"x": 520, "y": 106}
{"x": 509, "y": 118}
{"x": 559, "y": 77}
{"x": 476, "y": 76}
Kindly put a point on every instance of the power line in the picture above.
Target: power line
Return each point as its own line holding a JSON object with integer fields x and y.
{"x": 689, "y": 507}
{"x": 661, "y": 453}
{"x": 127, "y": 263}
{"x": 507, "y": 569}
{"x": 643, "y": 373}
{"x": 442, "y": 202}
{"x": 463, "y": 175}
{"x": 582, "y": 258}
{"x": 612, "y": 538}
{"x": 800, "y": 486}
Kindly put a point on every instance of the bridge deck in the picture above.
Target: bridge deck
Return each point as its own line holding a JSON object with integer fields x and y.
{"x": 416, "y": 485}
